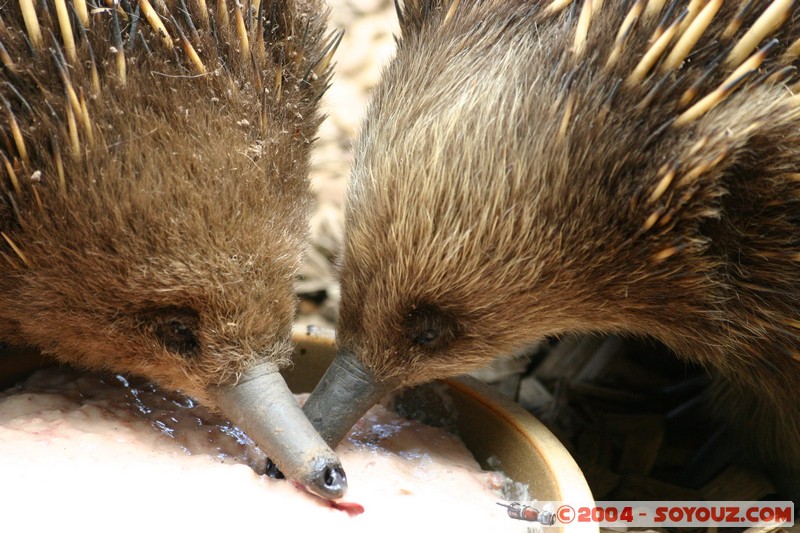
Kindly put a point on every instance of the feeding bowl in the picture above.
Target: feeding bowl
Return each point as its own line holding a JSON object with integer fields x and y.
{"x": 489, "y": 424}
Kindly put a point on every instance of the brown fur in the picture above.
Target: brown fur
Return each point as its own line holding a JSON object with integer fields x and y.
{"x": 510, "y": 184}
{"x": 169, "y": 249}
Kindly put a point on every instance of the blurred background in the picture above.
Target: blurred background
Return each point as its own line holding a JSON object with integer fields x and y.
{"x": 368, "y": 43}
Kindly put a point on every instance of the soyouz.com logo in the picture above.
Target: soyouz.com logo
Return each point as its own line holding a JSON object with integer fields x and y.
{"x": 655, "y": 513}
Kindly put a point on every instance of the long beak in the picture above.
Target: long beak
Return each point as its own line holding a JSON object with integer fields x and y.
{"x": 262, "y": 405}
{"x": 343, "y": 395}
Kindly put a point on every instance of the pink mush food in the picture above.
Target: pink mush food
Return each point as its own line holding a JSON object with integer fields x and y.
{"x": 110, "y": 454}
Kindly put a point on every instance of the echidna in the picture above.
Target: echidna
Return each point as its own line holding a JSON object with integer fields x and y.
{"x": 531, "y": 168}
{"x": 153, "y": 170}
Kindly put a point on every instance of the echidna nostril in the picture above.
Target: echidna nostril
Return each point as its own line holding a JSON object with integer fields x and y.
{"x": 335, "y": 478}
{"x": 273, "y": 471}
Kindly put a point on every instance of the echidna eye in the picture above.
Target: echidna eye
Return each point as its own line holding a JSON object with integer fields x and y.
{"x": 176, "y": 328}
{"x": 429, "y": 326}
{"x": 426, "y": 337}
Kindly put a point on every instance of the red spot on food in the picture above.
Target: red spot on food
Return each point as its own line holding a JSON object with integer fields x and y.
{"x": 351, "y": 508}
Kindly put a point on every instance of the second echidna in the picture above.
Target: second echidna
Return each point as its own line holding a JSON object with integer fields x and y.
{"x": 533, "y": 168}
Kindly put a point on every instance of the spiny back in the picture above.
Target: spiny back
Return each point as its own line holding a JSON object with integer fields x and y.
{"x": 84, "y": 81}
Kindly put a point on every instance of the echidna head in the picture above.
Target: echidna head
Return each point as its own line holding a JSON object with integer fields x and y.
{"x": 169, "y": 282}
